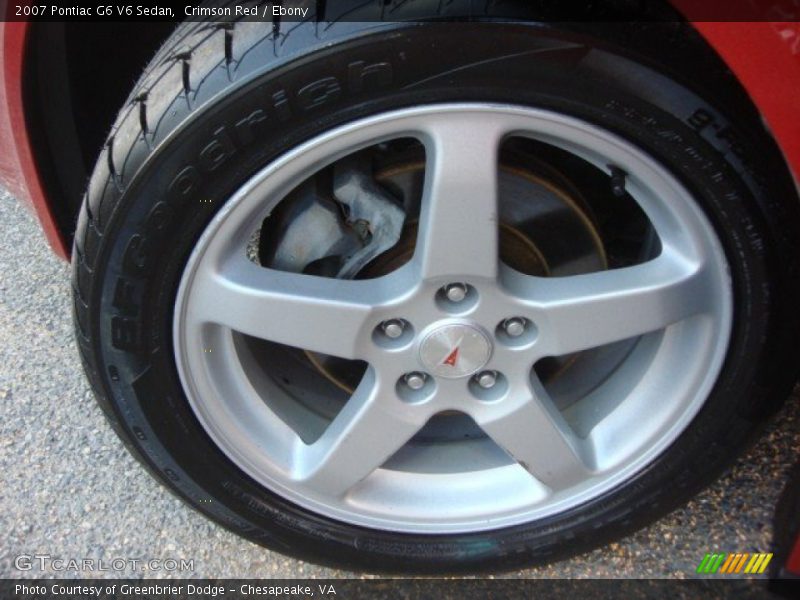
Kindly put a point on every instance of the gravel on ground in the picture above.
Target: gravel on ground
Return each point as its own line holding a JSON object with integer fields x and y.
{"x": 69, "y": 489}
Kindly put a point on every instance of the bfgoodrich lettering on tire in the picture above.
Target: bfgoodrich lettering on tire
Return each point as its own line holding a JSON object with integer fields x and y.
{"x": 433, "y": 297}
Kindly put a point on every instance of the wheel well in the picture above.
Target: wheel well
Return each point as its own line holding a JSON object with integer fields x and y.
{"x": 77, "y": 76}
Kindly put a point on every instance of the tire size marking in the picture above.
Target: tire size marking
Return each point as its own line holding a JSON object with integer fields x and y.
{"x": 723, "y": 136}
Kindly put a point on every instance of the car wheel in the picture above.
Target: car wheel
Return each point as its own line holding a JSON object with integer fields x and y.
{"x": 391, "y": 312}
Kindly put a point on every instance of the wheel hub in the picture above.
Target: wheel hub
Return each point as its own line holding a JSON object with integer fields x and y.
{"x": 454, "y": 350}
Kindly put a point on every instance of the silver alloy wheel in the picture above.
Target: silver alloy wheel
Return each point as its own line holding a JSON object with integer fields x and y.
{"x": 678, "y": 304}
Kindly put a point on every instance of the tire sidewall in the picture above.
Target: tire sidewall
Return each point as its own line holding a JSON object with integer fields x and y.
{"x": 200, "y": 163}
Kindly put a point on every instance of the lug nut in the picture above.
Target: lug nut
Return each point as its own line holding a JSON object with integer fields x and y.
{"x": 415, "y": 380}
{"x": 455, "y": 292}
{"x": 514, "y": 326}
{"x": 393, "y": 328}
{"x": 486, "y": 379}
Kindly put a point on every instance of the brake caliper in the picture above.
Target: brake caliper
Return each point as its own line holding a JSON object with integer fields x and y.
{"x": 373, "y": 214}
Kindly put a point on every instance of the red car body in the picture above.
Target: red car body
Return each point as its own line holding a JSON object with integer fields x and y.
{"x": 764, "y": 55}
{"x": 18, "y": 170}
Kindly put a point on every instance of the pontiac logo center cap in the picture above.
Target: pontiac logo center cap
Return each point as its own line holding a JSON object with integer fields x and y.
{"x": 454, "y": 350}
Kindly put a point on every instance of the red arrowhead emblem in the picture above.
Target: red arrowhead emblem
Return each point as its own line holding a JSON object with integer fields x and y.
{"x": 451, "y": 358}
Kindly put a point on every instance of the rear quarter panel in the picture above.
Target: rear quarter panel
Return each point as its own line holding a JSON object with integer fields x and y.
{"x": 765, "y": 56}
{"x": 18, "y": 171}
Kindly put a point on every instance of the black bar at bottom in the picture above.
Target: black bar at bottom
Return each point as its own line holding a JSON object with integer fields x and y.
{"x": 389, "y": 589}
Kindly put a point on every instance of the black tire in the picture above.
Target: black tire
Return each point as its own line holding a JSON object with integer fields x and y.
{"x": 176, "y": 142}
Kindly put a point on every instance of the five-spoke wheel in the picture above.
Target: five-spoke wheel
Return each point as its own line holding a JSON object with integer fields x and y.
{"x": 450, "y": 426}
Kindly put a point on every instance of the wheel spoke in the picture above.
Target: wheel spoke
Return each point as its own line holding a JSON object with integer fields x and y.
{"x": 458, "y": 231}
{"x": 587, "y": 311}
{"x": 535, "y": 434}
{"x": 370, "y": 428}
{"x": 314, "y": 313}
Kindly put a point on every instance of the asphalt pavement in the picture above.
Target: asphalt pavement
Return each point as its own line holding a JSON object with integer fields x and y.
{"x": 68, "y": 488}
